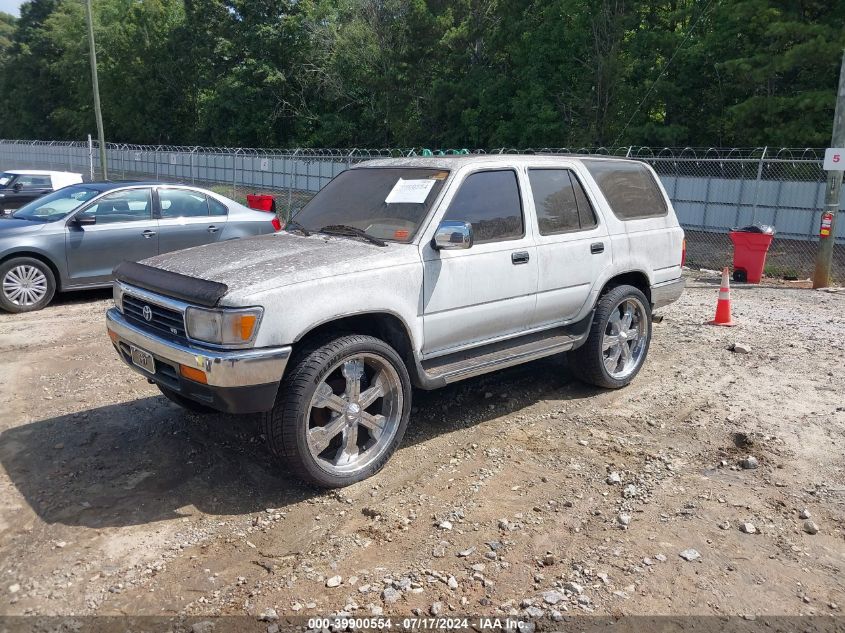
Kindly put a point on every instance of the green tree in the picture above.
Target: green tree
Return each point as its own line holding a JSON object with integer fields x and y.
{"x": 7, "y": 32}
{"x": 435, "y": 73}
{"x": 28, "y": 87}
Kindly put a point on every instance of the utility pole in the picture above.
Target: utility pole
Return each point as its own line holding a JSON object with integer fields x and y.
{"x": 827, "y": 238}
{"x": 96, "y": 86}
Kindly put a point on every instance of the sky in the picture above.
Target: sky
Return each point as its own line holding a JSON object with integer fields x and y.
{"x": 10, "y": 6}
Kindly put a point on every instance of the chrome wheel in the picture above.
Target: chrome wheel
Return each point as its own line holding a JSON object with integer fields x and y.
{"x": 25, "y": 285}
{"x": 625, "y": 338}
{"x": 354, "y": 413}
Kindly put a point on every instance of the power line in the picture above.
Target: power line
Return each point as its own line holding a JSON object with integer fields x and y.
{"x": 665, "y": 68}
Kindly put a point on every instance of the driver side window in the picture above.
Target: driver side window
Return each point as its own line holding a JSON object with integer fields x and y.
{"x": 129, "y": 205}
{"x": 490, "y": 201}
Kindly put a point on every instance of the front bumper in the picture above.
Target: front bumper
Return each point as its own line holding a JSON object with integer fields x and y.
{"x": 238, "y": 381}
{"x": 663, "y": 294}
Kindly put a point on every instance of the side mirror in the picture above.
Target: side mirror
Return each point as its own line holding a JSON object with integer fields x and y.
{"x": 85, "y": 220}
{"x": 17, "y": 186}
{"x": 452, "y": 235}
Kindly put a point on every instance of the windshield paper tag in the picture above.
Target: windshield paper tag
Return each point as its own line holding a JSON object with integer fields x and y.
{"x": 413, "y": 191}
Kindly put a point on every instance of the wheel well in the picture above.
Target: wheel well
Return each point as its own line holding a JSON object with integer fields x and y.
{"x": 381, "y": 325}
{"x": 42, "y": 258}
{"x": 634, "y": 278}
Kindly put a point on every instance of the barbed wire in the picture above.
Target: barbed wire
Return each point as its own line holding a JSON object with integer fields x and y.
{"x": 359, "y": 153}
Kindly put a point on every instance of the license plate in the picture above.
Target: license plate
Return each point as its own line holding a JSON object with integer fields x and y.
{"x": 143, "y": 359}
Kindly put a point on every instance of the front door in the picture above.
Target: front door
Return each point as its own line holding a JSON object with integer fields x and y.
{"x": 572, "y": 245}
{"x": 486, "y": 291}
{"x": 186, "y": 219}
{"x": 125, "y": 230}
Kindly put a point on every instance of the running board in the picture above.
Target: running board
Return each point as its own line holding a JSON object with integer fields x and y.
{"x": 487, "y": 358}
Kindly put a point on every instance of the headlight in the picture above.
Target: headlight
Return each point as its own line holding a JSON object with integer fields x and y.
{"x": 223, "y": 327}
{"x": 117, "y": 295}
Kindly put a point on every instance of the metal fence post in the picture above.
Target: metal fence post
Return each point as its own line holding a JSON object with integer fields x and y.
{"x": 757, "y": 186}
{"x": 706, "y": 201}
{"x": 739, "y": 196}
{"x": 234, "y": 173}
{"x": 91, "y": 156}
{"x": 291, "y": 183}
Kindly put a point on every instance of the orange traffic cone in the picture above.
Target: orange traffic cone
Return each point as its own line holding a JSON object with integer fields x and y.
{"x": 723, "y": 307}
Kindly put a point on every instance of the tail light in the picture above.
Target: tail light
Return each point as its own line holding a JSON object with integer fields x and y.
{"x": 277, "y": 226}
{"x": 683, "y": 253}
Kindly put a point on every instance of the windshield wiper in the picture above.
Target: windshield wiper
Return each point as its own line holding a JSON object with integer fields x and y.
{"x": 296, "y": 226}
{"x": 351, "y": 231}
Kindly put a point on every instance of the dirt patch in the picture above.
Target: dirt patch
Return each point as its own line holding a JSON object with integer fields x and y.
{"x": 523, "y": 492}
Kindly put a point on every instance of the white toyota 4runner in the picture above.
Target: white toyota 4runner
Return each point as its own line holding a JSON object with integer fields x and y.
{"x": 405, "y": 273}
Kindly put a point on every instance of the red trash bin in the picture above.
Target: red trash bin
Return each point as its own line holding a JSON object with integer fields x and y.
{"x": 750, "y": 247}
{"x": 260, "y": 202}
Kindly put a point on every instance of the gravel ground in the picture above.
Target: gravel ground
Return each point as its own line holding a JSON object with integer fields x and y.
{"x": 713, "y": 484}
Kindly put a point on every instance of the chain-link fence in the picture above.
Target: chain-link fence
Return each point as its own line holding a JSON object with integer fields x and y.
{"x": 712, "y": 190}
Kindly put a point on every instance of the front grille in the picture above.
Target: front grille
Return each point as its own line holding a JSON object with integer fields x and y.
{"x": 164, "y": 322}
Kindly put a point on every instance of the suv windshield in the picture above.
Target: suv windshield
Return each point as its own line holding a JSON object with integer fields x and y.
{"x": 6, "y": 179}
{"x": 388, "y": 203}
{"x": 55, "y": 205}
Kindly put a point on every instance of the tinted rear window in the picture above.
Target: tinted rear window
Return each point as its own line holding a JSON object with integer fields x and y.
{"x": 560, "y": 201}
{"x": 630, "y": 189}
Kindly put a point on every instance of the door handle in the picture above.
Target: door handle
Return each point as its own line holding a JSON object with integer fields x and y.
{"x": 519, "y": 258}
{"x": 148, "y": 233}
{"x": 597, "y": 247}
{"x": 213, "y": 229}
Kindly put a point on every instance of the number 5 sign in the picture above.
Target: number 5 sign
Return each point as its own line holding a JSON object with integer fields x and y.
{"x": 834, "y": 159}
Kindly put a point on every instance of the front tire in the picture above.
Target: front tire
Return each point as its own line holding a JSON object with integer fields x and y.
{"x": 341, "y": 411}
{"x": 618, "y": 341}
{"x": 26, "y": 285}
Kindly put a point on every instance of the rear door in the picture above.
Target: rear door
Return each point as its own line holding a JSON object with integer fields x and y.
{"x": 125, "y": 230}
{"x": 647, "y": 236}
{"x": 572, "y": 244}
{"x": 186, "y": 218}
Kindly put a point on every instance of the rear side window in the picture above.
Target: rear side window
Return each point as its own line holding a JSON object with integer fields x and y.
{"x": 560, "y": 201}
{"x": 490, "y": 201}
{"x": 182, "y": 203}
{"x": 217, "y": 207}
{"x": 629, "y": 187}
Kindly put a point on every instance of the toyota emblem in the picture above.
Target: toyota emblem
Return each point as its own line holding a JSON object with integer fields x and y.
{"x": 148, "y": 313}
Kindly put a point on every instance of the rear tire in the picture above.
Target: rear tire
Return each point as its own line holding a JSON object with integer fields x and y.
{"x": 342, "y": 410}
{"x": 185, "y": 403}
{"x": 618, "y": 341}
{"x": 26, "y": 285}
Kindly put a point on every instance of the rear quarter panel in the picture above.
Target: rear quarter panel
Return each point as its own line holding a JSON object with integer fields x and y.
{"x": 243, "y": 221}
{"x": 650, "y": 245}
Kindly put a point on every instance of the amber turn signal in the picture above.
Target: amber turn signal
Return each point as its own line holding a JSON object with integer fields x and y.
{"x": 194, "y": 374}
{"x": 243, "y": 325}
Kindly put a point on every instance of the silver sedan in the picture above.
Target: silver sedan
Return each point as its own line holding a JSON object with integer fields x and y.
{"x": 73, "y": 238}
